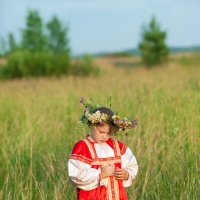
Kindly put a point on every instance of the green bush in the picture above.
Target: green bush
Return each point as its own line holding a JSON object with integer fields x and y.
{"x": 27, "y": 63}
{"x": 153, "y": 47}
{"x": 85, "y": 66}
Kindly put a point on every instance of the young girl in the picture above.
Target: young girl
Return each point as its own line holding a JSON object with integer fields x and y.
{"x": 100, "y": 166}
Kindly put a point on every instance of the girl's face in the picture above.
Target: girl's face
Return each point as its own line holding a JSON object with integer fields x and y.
{"x": 100, "y": 133}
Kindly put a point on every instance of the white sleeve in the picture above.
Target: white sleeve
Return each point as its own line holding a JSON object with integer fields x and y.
{"x": 82, "y": 175}
{"x": 129, "y": 163}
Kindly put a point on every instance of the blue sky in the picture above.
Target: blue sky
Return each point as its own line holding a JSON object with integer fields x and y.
{"x": 108, "y": 25}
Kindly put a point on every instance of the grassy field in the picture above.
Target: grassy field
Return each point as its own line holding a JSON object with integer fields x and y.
{"x": 38, "y": 128}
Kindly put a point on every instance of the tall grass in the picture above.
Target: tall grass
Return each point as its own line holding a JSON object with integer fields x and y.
{"x": 38, "y": 130}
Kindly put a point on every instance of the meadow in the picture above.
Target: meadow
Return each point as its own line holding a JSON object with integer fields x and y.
{"x": 38, "y": 128}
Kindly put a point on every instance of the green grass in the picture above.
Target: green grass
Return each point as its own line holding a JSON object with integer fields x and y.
{"x": 38, "y": 130}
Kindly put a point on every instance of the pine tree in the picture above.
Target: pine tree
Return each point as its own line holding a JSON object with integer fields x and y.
{"x": 152, "y": 46}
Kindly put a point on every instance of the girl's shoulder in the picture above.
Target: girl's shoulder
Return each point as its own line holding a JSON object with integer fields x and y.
{"x": 80, "y": 148}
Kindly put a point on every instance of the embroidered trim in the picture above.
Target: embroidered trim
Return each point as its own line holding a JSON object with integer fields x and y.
{"x": 106, "y": 162}
{"x": 123, "y": 150}
{"x": 91, "y": 148}
{"x": 114, "y": 147}
{"x": 117, "y": 147}
{"x": 81, "y": 158}
{"x": 107, "y": 159}
{"x": 109, "y": 195}
{"x": 116, "y": 189}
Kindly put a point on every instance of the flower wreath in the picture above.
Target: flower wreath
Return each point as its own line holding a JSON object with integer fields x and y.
{"x": 89, "y": 116}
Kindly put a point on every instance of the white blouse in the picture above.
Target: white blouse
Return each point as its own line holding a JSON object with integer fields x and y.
{"x": 87, "y": 178}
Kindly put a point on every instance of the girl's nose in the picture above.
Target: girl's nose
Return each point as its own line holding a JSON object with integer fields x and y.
{"x": 105, "y": 136}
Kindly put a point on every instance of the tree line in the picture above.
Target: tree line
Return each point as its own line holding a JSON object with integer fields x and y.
{"x": 44, "y": 49}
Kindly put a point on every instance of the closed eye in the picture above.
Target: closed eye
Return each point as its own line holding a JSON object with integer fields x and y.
{"x": 102, "y": 132}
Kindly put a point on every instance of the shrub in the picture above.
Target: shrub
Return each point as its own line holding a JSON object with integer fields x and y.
{"x": 85, "y": 66}
{"x": 27, "y": 63}
{"x": 153, "y": 47}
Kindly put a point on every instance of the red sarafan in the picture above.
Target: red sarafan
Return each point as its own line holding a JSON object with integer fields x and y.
{"x": 100, "y": 166}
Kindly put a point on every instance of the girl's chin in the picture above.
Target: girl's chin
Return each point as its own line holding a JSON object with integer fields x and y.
{"x": 102, "y": 141}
